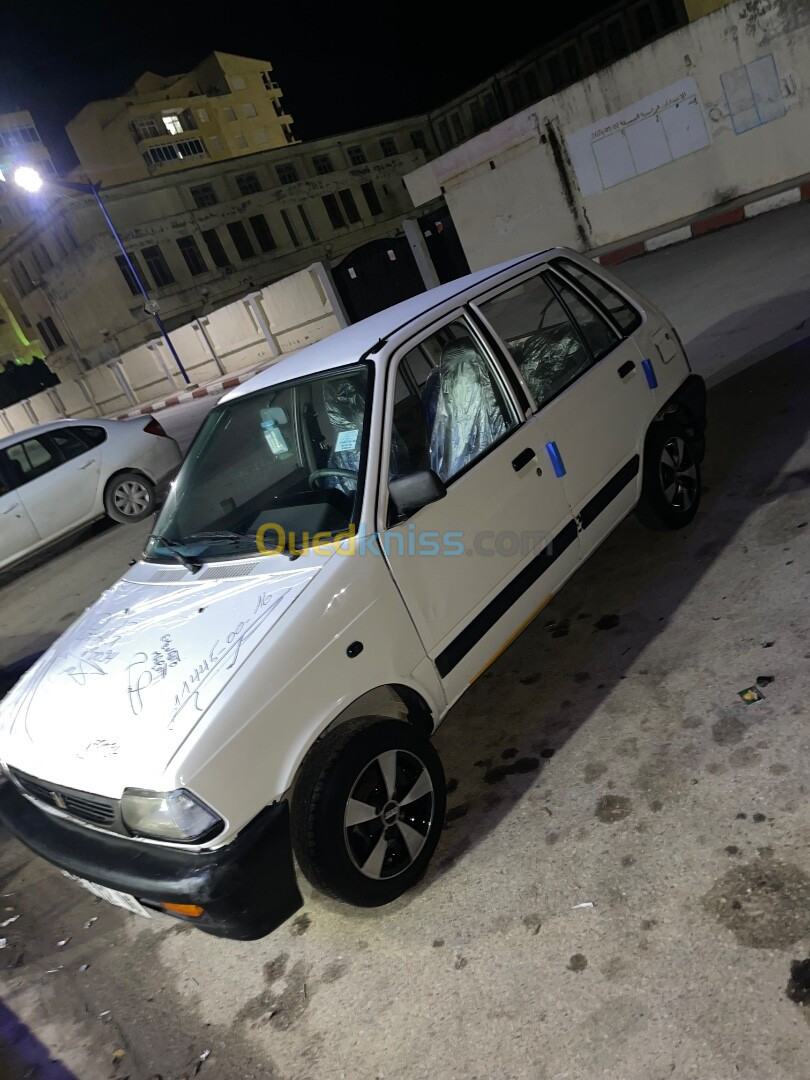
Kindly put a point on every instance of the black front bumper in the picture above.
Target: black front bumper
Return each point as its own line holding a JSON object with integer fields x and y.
{"x": 246, "y": 888}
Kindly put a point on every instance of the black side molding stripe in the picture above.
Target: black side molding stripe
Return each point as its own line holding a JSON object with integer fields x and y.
{"x": 483, "y": 622}
{"x": 605, "y": 496}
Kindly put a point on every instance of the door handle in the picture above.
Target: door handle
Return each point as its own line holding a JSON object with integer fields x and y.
{"x": 625, "y": 369}
{"x": 86, "y": 465}
{"x": 523, "y": 459}
{"x": 556, "y": 459}
{"x": 11, "y": 509}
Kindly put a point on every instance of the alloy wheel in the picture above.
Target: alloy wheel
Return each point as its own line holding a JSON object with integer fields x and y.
{"x": 131, "y": 498}
{"x": 678, "y": 473}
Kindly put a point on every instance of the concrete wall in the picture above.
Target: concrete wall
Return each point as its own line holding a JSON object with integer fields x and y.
{"x": 254, "y": 330}
{"x": 713, "y": 111}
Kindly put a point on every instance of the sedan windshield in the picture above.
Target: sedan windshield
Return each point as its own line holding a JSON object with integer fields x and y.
{"x": 270, "y": 471}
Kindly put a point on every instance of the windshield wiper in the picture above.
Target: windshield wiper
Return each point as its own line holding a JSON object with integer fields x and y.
{"x": 175, "y": 550}
{"x": 233, "y": 537}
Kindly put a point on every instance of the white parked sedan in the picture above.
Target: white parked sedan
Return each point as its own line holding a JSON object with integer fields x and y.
{"x": 59, "y": 477}
{"x": 426, "y": 481}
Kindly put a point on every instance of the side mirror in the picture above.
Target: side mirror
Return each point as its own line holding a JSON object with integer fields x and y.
{"x": 412, "y": 492}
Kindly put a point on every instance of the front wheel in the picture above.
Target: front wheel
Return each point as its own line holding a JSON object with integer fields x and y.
{"x": 129, "y": 497}
{"x": 670, "y": 492}
{"x": 368, "y": 810}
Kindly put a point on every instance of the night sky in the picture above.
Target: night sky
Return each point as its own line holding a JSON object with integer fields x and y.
{"x": 341, "y": 66}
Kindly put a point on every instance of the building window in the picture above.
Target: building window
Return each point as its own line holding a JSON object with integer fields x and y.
{"x": 249, "y": 110}
{"x": 389, "y": 147}
{"x": 147, "y": 127}
{"x": 323, "y": 164}
{"x": 202, "y": 115}
{"x": 645, "y": 22}
{"x": 18, "y": 136}
{"x": 267, "y": 79}
{"x": 372, "y": 201}
{"x": 241, "y": 240}
{"x": 127, "y": 274}
{"x": 157, "y": 266}
{"x": 60, "y": 247}
{"x": 491, "y": 110}
{"x": 532, "y": 84}
{"x": 616, "y": 40}
{"x": 215, "y": 248}
{"x": 349, "y": 206}
{"x": 514, "y": 91}
{"x": 204, "y": 195}
{"x": 307, "y": 224}
{"x": 237, "y": 82}
{"x": 444, "y": 133}
{"x": 37, "y": 264}
{"x": 333, "y": 210}
{"x": 240, "y": 141}
{"x": 458, "y": 127}
{"x": 285, "y": 217}
{"x": 173, "y": 124}
{"x": 68, "y": 234}
{"x": 262, "y": 232}
{"x": 667, "y": 15}
{"x": 356, "y": 155}
{"x": 25, "y": 283}
{"x": 475, "y": 116}
{"x": 214, "y": 143}
{"x": 287, "y": 173}
{"x": 49, "y": 332}
{"x": 418, "y": 141}
{"x": 259, "y": 136}
{"x": 228, "y": 114}
{"x": 573, "y": 68}
{"x": 159, "y": 155}
{"x": 248, "y": 183}
{"x": 554, "y": 65}
{"x": 192, "y": 254}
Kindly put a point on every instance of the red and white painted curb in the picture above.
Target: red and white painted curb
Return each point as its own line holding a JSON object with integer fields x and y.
{"x": 717, "y": 219}
{"x": 209, "y": 390}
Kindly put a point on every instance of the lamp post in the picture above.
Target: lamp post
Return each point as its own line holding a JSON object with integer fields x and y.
{"x": 30, "y": 180}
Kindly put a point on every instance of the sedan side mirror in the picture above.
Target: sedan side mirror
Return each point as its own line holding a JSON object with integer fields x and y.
{"x": 417, "y": 489}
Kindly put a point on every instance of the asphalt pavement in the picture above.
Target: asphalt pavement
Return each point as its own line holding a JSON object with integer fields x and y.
{"x": 623, "y": 886}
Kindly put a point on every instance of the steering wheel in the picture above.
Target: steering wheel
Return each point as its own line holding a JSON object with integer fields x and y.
{"x": 341, "y": 474}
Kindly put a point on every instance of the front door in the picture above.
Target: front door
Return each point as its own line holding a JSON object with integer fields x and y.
{"x": 58, "y": 494}
{"x": 591, "y": 390}
{"x": 17, "y": 532}
{"x": 474, "y": 567}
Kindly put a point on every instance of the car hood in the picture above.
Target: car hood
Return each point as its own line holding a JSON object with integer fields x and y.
{"x": 111, "y": 702}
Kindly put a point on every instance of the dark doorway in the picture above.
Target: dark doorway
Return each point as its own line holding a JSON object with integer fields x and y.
{"x": 444, "y": 246}
{"x": 377, "y": 275}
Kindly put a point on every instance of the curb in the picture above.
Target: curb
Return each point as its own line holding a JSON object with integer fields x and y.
{"x": 713, "y": 221}
{"x": 213, "y": 388}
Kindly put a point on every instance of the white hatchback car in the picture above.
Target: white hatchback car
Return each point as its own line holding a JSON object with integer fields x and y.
{"x": 354, "y": 536}
{"x": 59, "y": 477}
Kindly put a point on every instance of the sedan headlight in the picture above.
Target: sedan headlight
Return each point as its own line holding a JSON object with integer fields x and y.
{"x": 168, "y": 815}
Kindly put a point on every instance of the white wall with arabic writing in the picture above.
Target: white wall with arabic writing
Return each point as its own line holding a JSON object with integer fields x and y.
{"x": 713, "y": 111}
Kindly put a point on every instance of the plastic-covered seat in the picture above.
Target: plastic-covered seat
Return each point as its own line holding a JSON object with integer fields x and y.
{"x": 469, "y": 417}
{"x": 430, "y": 397}
{"x": 345, "y": 405}
{"x": 549, "y": 359}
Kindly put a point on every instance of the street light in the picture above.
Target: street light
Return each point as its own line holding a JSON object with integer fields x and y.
{"x": 30, "y": 180}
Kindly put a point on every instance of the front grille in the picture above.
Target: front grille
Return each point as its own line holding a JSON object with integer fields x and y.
{"x": 94, "y": 809}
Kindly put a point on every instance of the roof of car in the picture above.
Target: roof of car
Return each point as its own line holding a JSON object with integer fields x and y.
{"x": 29, "y": 433}
{"x": 347, "y": 346}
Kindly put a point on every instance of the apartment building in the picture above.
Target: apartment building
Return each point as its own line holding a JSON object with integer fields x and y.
{"x": 227, "y": 107}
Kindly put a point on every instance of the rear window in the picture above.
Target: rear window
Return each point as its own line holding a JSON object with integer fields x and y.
{"x": 622, "y": 312}
{"x": 93, "y": 436}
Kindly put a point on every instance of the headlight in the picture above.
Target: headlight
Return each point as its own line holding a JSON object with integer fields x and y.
{"x": 168, "y": 815}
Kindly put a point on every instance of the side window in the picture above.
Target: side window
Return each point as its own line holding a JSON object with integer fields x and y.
{"x": 450, "y": 408}
{"x": 613, "y": 302}
{"x": 68, "y": 442}
{"x": 536, "y": 329}
{"x": 93, "y": 436}
{"x": 599, "y": 335}
{"x": 28, "y": 460}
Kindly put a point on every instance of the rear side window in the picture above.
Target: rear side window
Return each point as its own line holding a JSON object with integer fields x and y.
{"x": 27, "y": 460}
{"x": 599, "y": 335}
{"x": 68, "y": 442}
{"x": 623, "y": 313}
{"x": 93, "y": 436}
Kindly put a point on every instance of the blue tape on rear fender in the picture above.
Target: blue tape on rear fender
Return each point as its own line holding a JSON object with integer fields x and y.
{"x": 649, "y": 371}
{"x": 556, "y": 459}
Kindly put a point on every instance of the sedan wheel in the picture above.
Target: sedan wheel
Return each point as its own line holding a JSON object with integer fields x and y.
{"x": 670, "y": 489}
{"x": 368, "y": 810}
{"x": 130, "y": 497}
{"x": 678, "y": 474}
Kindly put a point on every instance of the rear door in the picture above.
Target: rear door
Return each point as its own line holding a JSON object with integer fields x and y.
{"x": 17, "y": 532}
{"x": 57, "y": 493}
{"x": 591, "y": 390}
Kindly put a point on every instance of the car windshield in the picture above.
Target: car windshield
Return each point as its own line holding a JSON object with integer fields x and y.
{"x": 269, "y": 471}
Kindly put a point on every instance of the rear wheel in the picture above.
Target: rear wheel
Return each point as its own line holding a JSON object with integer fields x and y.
{"x": 129, "y": 497}
{"x": 368, "y": 810}
{"x": 670, "y": 493}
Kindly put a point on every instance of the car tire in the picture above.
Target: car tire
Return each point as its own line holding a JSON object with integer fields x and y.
{"x": 368, "y": 810}
{"x": 129, "y": 497}
{"x": 671, "y": 481}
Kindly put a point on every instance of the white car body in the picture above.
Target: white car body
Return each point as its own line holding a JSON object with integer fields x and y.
{"x": 220, "y": 682}
{"x": 73, "y": 463}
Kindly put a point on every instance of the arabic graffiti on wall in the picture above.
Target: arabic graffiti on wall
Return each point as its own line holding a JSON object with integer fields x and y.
{"x": 664, "y": 126}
